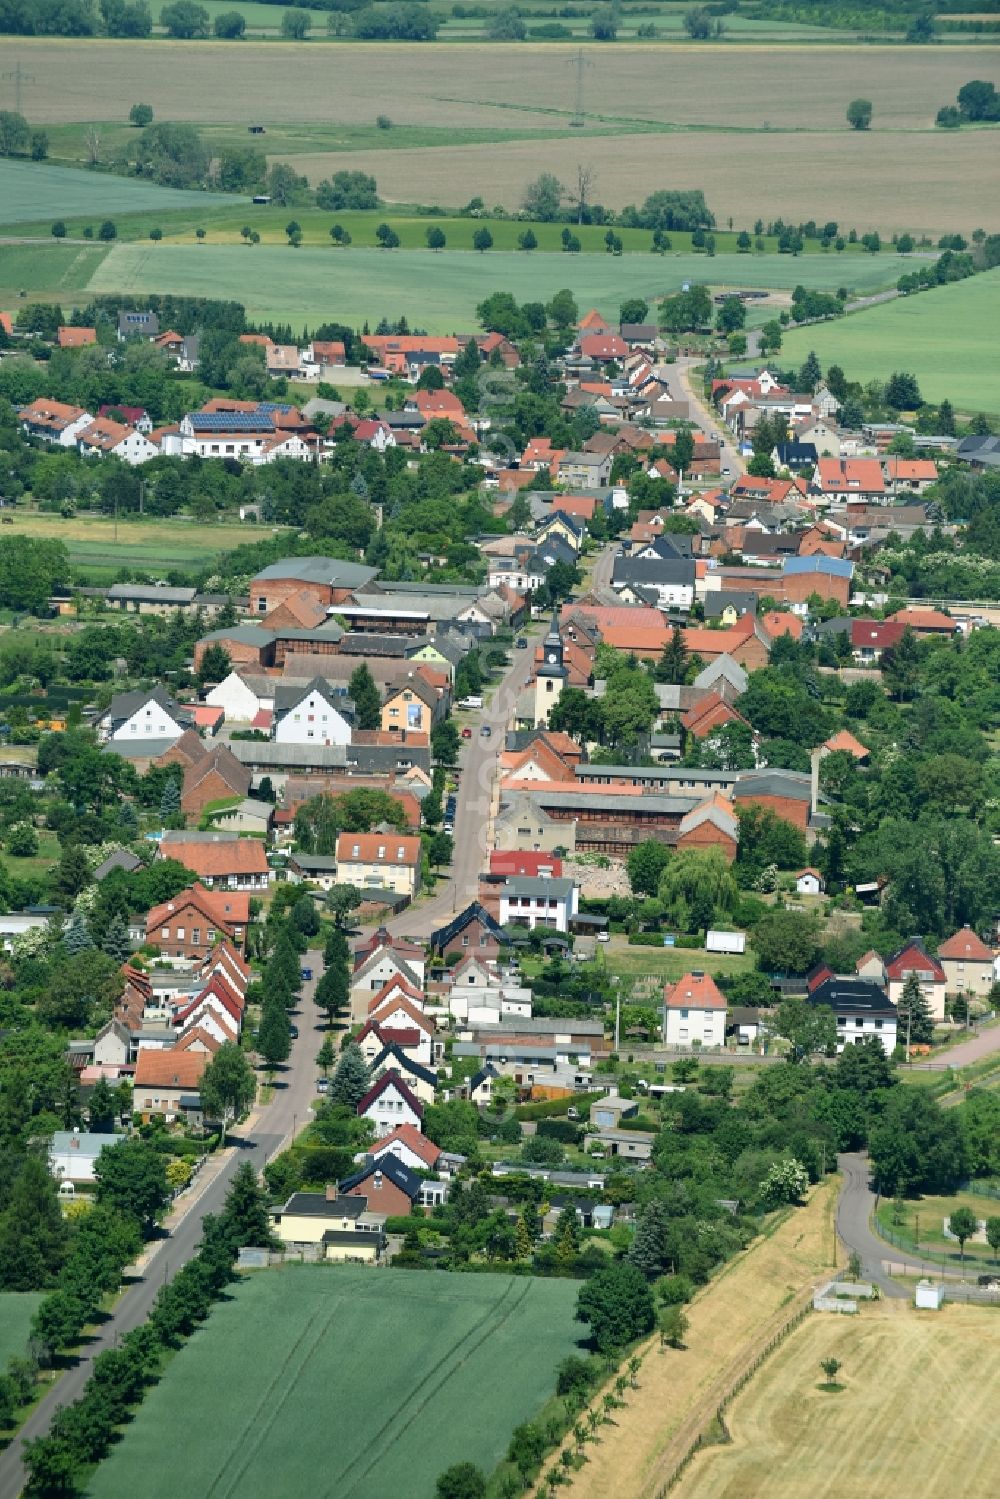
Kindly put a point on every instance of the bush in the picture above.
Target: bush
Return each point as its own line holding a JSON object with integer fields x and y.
{"x": 560, "y": 1129}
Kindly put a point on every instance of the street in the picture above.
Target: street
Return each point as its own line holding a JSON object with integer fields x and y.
{"x": 270, "y": 1129}
{"x": 708, "y": 420}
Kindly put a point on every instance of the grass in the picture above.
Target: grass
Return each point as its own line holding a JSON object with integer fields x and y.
{"x": 367, "y": 1382}
{"x": 945, "y": 337}
{"x": 439, "y": 291}
{"x": 151, "y": 545}
{"x": 49, "y": 853}
{"x": 636, "y": 1455}
{"x": 932, "y": 1213}
{"x": 29, "y": 192}
{"x": 57, "y": 271}
{"x": 886, "y": 1434}
{"x": 16, "y": 1311}
{"x": 673, "y": 962}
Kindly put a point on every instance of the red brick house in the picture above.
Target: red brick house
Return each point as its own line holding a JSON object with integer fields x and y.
{"x": 191, "y": 925}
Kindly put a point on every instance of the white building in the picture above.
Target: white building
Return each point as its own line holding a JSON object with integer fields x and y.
{"x": 104, "y": 436}
{"x": 861, "y": 1009}
{"x": 533, "y": 902}
{"x": 73, "y": 1154}
{"x": 144, "y": 714}
{"x": 311, "y": 715}
{"x": 390, "y": 1103}
{"x": 695, "y": 1010}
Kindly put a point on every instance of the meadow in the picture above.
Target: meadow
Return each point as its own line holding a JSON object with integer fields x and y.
{"x": 946, "y": 337}
{"x": 440, "y": 291}
{"x": 56, "y": 271}
{"x": 346, "y": 1381}
{"x": 147, "y": 545}
{"x": 29, "y": 192}
{"x": 919, "y": 1398}
{"x": 761, "y": 130}
{"x": 16, "y": 1311}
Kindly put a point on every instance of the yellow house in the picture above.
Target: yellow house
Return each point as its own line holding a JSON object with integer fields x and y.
{"x": 380, "y": 861}
{"x": 341, "y": 1226}
{"x": 410, "y": 707}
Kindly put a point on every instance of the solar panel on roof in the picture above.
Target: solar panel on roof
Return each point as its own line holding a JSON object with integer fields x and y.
{"x": 230, "y": 421}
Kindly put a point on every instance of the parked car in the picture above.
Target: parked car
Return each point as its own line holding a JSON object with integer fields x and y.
{"x": 293, "y": 1031}
{"x": 521, "y": 643}
{"x": 307, "y": 973}
{"x": 322, "y": 1084}
{"x": 472, "y": 701}
{"x": 604, "y": 936}
{"x": 448, "y": 827}
{"x": 486, "y": 732}
{"x": 467, "y": 733}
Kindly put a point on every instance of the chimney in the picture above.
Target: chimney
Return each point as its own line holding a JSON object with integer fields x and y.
{"x": 331, "y": 1191}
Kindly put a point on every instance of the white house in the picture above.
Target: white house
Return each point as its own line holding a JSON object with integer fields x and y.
{"x": 695, "y": 1012}
{"x": 145, "y": 714}
{"x": 73, "y": 1154}
{"x": 54, "y": 421}
{"x": 810, "y": 882}
{"x": 390, "y": 1103}
{"x": 238, "y": 698}
{"x": 861, "y": 1009}
{"x": 311, "y": 715}
{"x": 104, "y": 436}
{"x": 534, "y": 902}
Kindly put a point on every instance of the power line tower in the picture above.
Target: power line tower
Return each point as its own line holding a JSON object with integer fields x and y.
{"x": 579, "y": 62}
{"x": 17, "y": 76}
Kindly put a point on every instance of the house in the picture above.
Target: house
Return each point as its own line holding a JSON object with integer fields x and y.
{"x": 473, "y": 929}
{"x": 137, "y": 325}
{"x": 861, "y": 1008}
{"x": 251, "y": 816}
{"x": 73, "y": 1154}
{"x": 342, "y": 1226}
{"x": 217, "y": 776}
{"x": 220, "y": 860}
{"x": 913, "y": 958}
{"x": 871, "y": 966}
{"x": 146, "y": 714}
{"x": 327, "y": 579}
{"x": 387, "y": 1185}
{"x": 122, "y": 858}
{"x": 163, "y": 1078}
{"x": 104, "y": 436}
{"x": 608, "y": 1113}
{"x": 314, "y": 714}
{"x": 399, "y": 1027}
{"x": 967, "y": 964}
{"x": 669, "y": 582}
{"x": 629, "y": 1144}
{"x": 695, "y": 1011}
{"x": 387, "y": 860}
{"x": 75, "y": 338}
{"x": 389, "y": 1103}
{"x": 531, "y": 902}
{"x": 191, "y": 924}
{"x": 410, "y": 1147}
{"x": 809, "y": 882}
{"x": 54, "y": 421}
{"x": 841, "y": 479}
{"x": 399, "y": 1057}
{"x": 412, "y": 706}
{"x": 584, "y": 470}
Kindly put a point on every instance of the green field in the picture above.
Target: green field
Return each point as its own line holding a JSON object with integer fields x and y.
{"x": 55, "y": 271}
{"x": 440, "y": 291}
{"x": 16, "y": 1311}
{"x": 346, "y": 1382}
{"x": 145, "y": 545}
{"x": 946, "y": 337}
{"x": 29, "y": 192}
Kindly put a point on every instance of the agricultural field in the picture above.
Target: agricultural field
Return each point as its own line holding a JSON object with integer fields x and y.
{"x": 946, "y": 337}
{"x": 892, "y": 1430}
{"x": 53, "y": 271}
{"x": 756, "y": 129}
{"x": 441, "y": 290}
{"x": 16, "y": 1311}
{"x": 30, "y": 192}
{"x": 679, "y": 1389}
{"x": 367, "y": 1382}
{"x": 147, "y": 545}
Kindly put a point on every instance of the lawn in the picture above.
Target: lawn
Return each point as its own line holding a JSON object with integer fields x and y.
{"x": 946, "y": 337}
{"x": 16, "y": 1311}
{"x": 346, "y": 1381}
{"x": 920, "y": 1391}
{"x": 672, "y": 962}
{"x": 736, "y": 1313}
{"x": 923, "y": 1226}
{"x": 148, "y": 544}
{"x": 440, "y": 291}
{"x": 35, "y": 867}
{"x": 29, "y": 191}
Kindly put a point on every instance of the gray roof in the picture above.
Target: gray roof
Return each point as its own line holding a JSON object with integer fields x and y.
{"x": 318, "y": 1205}
{"x": 665, "y": 774}
{"x": 124, "y": 704}
{"x": 854, "y": 995}
{"x": 795, "y": 784}
{"x": 264, "y": 752}
{"x": 331, "y": 631}
{"x": 618, "y": 802}
{"x": 326, "y": 570}
{"x": 653, "y": 570}
{"x": 121, "y": 859}
{"x": 362, "y": 644}
{"x": 138, "y": 749}
{"x": 250, "y": 806}
{"x": 719, "y": 599}
{"x": 556, "y": 889}
{"x": 81, "y": 1143}
{"x": 314, "y": 863}
{"x": 723, "y": 666}
{"x": 148, "y": 593}
{"x": 288, "y": 695}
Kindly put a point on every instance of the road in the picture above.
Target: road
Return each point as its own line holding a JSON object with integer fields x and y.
{"x": 983, "y": 1044}
{"x": 267, "y": 1131}
{"x": 854, "y": 1214}
{"x": 708, "y": 420}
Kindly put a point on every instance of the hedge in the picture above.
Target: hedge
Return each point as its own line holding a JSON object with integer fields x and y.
{"x": 551, "y": 1108}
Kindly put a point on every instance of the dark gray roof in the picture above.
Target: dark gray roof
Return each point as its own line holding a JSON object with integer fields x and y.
{"x": 327, "y": 570}
{"x": 639, "y": 332}
{"x": 318, "y": 1205}
{"x": 124, "y": 704}
{"x": 853, "y": 995}
{"x": 653, "y": 570}
{"x": 289, "y": 695}
{"x": 445, "y": 934}
{"x": 555, "y": 889}
{"x": 121, "y": 859}
{"x": 404, "y": 1064}
{"x": 794, "y": 784}
{"x": 314, "y": 863}
{"x": 359, "y": 643}
{"x": 390, "y": 1166}
{"x": 718, "y": 599}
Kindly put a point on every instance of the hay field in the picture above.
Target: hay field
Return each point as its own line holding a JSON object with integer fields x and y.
{"x": 914, "y": 1419}
{"x": 634, "y": 1457}
{"x": 28, "y": 192}
{"x": 441, "y": 290}
{"x": 347, "y": 1382}
{"x": 946, "y": 337}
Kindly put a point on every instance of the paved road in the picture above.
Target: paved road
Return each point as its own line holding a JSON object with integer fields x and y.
{"x": 983, "y": 1044}
{"x": 708, "y": 420}
{"x": 266, "y": 1133}
{"x": 854, "y": 1215}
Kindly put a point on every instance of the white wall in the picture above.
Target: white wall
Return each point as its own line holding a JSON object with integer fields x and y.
{"x": 687, "y": 1025}
{"x": 312, "y": 721}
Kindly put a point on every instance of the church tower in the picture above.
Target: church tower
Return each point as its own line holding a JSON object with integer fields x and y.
{"x": 550, "y": 674}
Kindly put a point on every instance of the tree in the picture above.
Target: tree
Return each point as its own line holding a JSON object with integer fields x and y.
{"x": 184, "y": 19}
{"x": 633, "y": 310}
{"x": 461, "y": 1481}
{"x": 32, "y": 1231}
{"x": 274, "y": 1039}
{"x": 366, "y": 698}
{"x": 228, "y": 1085}
{"x": 215, "y": 664}
{"x": 102, "y": 1108}
{"x": 170, "y": 800}
{"x": 230, "y": 25}
{"x": 673, "y": 1322}
{"x": 786, "y": 941}
{"x": 76, "y": 935}
{"x": 527, "y": 240}
{"x": 916, "y": 1146}
{"x": 698, "y": 23}
{"x": 387, "y": 237}
{"x": 859, "y": 114}
{"x": 618, "y": 1305}
{"x": 14, "y": 133}
{"x": 59, "y": 229}
{"x": 116, "y": 942}
{"x": 604, "y": 24}
{"x": 140, "y": 115}
{"x": 784, "y": 1183}
{"x": 646, "y": 863}
{"x": 808, "y": 1028}
{"x": 914, "y": 1013}
{"x": 132, "y": 1179}
{"x": 341, "y": 900}
{"x": 245, "y": 1217}
{"x": 978, "y": 100}
{"x": 482, "y": 240}
{"x": 326, "y": 1056}
{"x": 507, "y": 26}
{"x": 993, "y": 1236}
{"x": 831, "y": 1368}
{"x": 542, "y": 197}
{"x": 435, "y": 241}
{"x": 963, "y": 1224}
{"x": 295, "y": 24}
{"x": 351, "y": 1080}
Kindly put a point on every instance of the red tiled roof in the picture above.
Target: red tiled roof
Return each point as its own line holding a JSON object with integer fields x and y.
{"x": 378, "y": 848}
{"x": 698, "y": 991}
{"x": 966, "y": 944}
{"x": 406, "y": 1134}
{"x": 169, "y": 1069}
{"x": 227, "y": 856}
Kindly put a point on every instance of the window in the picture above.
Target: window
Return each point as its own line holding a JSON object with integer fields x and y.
{"x": 859, "y": 1022}
{"x": 180, "y": 934}
{"x": 165, "y": 934}
{"x": 210, "y": 935}
{"x": 196, "y": 934}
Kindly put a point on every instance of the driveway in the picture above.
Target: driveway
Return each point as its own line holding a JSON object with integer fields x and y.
{"x": 267, "y": 1131}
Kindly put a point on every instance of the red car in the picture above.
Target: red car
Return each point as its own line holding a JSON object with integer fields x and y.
{"x": 467, "y": 733}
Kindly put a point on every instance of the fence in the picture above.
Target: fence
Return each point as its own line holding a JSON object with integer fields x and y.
{"x": 693, "y": 1435}
{"x": 949, "y": 1262}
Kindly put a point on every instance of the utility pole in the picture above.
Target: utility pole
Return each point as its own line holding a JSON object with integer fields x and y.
{"x": 18, "y": 76}
{"x": 579, "y": 62}
{"x": 618, "y": 1013}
